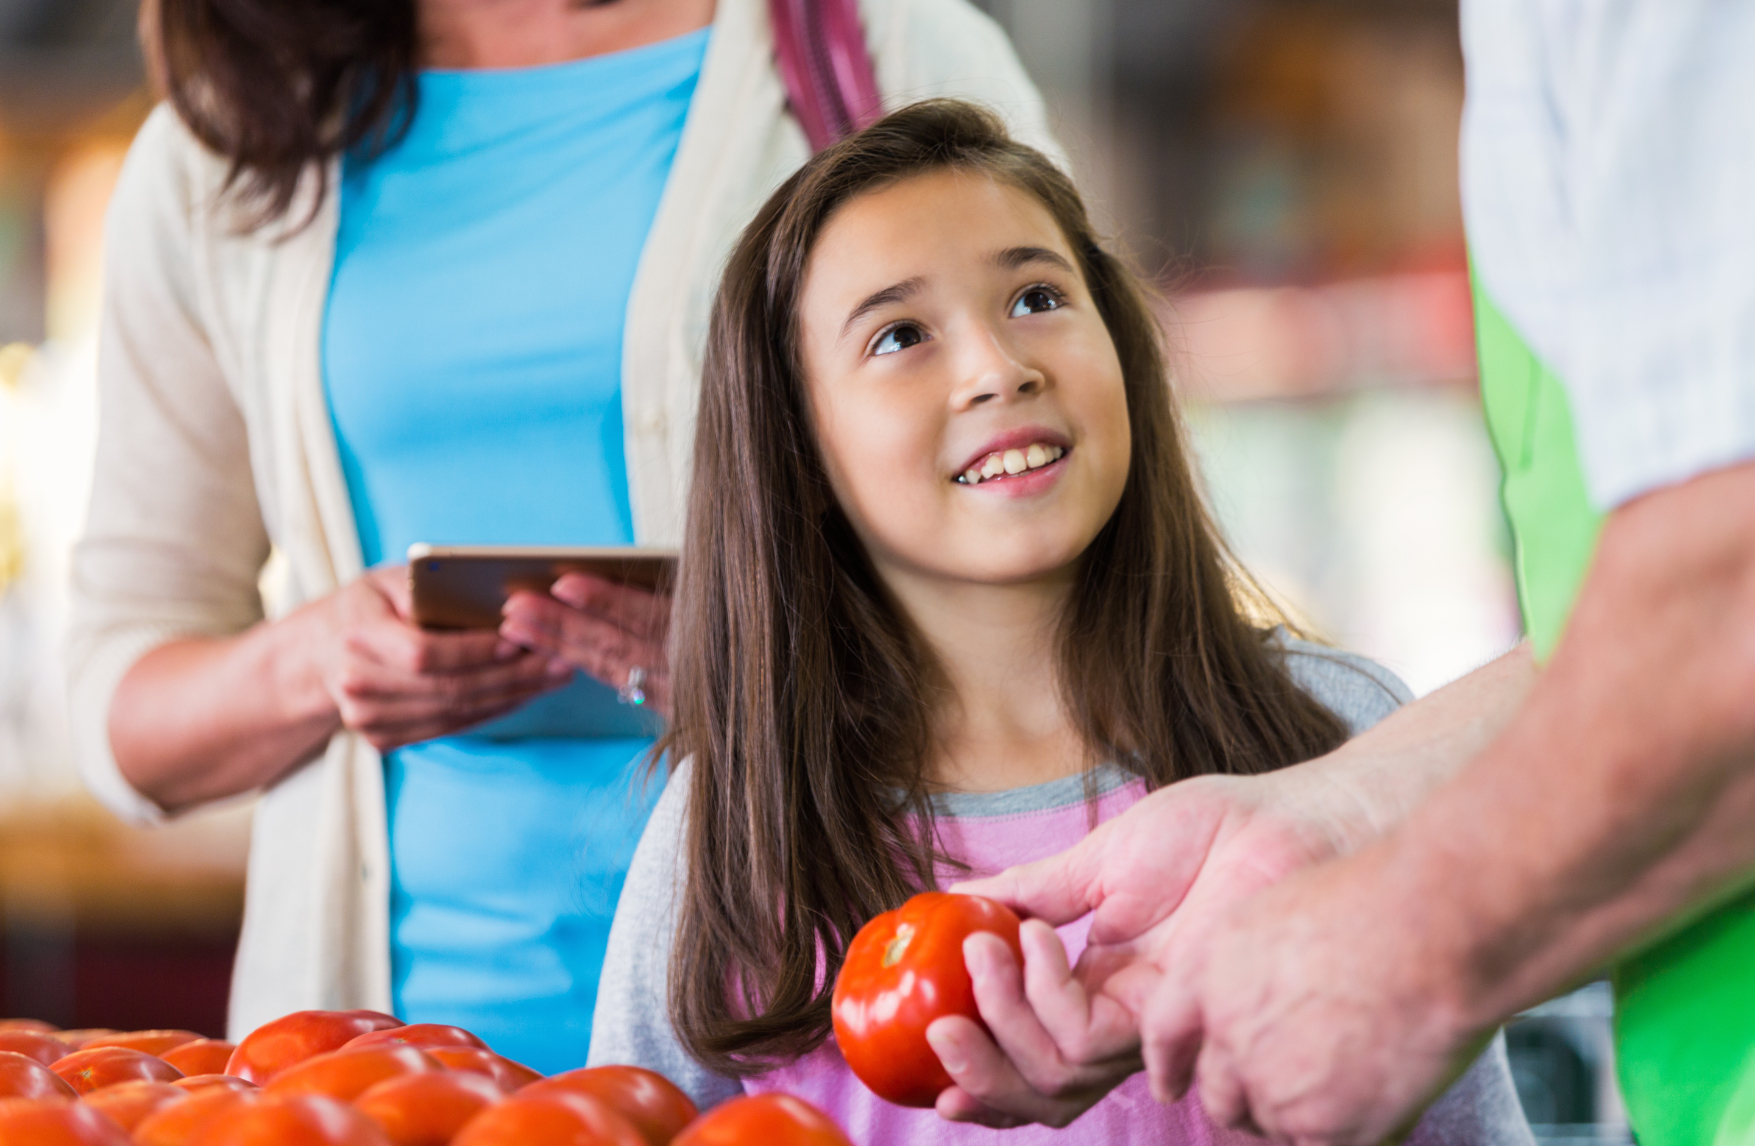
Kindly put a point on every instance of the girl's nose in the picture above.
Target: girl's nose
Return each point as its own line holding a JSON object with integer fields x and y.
{"x": 992, "y": 372}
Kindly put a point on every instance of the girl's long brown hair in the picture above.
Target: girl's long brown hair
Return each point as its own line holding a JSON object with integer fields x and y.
{"x": 800, "y": 695}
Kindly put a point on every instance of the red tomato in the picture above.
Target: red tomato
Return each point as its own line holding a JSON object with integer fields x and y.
{"x": 36, "y": 1026}
{"x": 213, "y": 1081}
{"x": 148, "y": 1042}
{"x": 903, "y": 970}
{"x": 763, "y": 1120}
{"x": 175, "y": 1124}
{"x": 22, "y": 1077}
{"x": 94, "y": 1069}
{"x": 423, "y": 1035}
{"x": 203, "y": 1056}
{"x": 508, "y": 1074}
{"x": 272, "y": 1047}
{"x": 77, "y": 1039}
{"x": 344, "y": 1074}
{"x": 32, "y": 1044}
{"x": 128, "y": 1103}
{"x": 559, "y": 1119}
{"x": 52, "y": 1122}
{"x": 288, "y": 1120}
{"x": 427, "y": 1109}
{"x": 646, "y": 1098}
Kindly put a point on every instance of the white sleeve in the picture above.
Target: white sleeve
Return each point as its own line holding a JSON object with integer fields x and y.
{"x": 631, "y": 1025}
{"x": 174, "y": 540}
{"x": 1608, "y": 175}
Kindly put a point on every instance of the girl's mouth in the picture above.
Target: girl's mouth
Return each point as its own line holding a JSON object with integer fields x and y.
{"x": 1003, "y": 464}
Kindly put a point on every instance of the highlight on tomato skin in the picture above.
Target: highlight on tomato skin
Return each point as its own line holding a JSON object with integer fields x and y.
{"x": 128, "y": 1104}
{"x": 39, "y": 1122}
{"x": 274, "y": 1046}
{"x": 98, "y": 1067}
{"x": 147, "y": 1042}
{"x": 44, "y": 1048}
{"x": 655, "y": 1105}
{"x": 288, "y": 1120}
{"x": 22, "y": 1077}
{"x": 345, "y": 1074}
{"x": 176, "y": 1123}
{"x": 423, "y": 1035}
{"x": 508, "y": 1074}
{"x": 76, "y": 1039}
{"x": 427, "y": 1109}
{"x": 559, "y": 1118}
{"x": 903, "y": 970}
{"x": 202, "y": 1056}
{"x": 763, "y": 1120}
{"x": 196, "y": 1082}
{"x": 35, "y": 1026}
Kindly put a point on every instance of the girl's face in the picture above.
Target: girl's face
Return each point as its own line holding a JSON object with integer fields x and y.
{"x": 966, "y": 393}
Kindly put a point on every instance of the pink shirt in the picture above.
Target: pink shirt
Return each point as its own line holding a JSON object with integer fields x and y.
{"x": 990, "y": 844}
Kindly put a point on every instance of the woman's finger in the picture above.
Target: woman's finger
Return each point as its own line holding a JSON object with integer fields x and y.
{"x": 637, "y": 610}
{"x": 386, "y": 737}
{"x": 368, "y": 680}
{"x": 394, "y": 642}
{"x": 603, "y": 649}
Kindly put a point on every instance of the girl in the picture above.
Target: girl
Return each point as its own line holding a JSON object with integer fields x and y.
{"x": 949, "y": 598}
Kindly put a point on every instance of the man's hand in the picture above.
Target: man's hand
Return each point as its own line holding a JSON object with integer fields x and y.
{"x": 1157, "y": 878}
{"x": 1613, "y": 808}
{"x": 1162, "y": 879}
{"x": 1309, "y": 1018}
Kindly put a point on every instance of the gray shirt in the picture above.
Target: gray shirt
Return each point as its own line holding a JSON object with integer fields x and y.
{"x": 632, "y": 1021}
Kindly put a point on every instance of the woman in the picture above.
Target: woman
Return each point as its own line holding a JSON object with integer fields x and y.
{"x": 430, "y": 270}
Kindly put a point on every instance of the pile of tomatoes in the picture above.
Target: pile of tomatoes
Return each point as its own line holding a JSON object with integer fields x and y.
{"x": 351, "y": 1078}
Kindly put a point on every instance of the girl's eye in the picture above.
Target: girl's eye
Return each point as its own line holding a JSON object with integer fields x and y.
{"x": 897, "y": 338}
{"x": 1036, "y": 300}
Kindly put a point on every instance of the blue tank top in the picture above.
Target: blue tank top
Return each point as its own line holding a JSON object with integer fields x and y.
{"x": 472, "y": 359}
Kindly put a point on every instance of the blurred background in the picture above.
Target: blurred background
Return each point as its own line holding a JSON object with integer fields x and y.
{"x": 1284, "y": 169}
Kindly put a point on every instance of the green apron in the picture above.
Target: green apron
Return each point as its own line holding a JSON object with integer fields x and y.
{"x": 1684, "y": 1009}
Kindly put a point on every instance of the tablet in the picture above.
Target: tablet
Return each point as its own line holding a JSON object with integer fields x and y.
{"x": 464, "y": 586}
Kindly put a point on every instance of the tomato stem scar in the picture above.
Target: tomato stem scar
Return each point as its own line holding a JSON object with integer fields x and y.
{"x": 898, "y": 946}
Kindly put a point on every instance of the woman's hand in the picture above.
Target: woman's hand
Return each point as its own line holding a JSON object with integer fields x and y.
{"x": 395, "y": 684}
{"x": 603, "y": 627}
{"x": 203, "y": 718}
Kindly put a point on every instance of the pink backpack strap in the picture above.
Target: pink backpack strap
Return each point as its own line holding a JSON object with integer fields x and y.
{"x": 819, "y": 47}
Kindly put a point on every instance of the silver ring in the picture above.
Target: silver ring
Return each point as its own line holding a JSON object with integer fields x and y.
{"x": 634, "y": 690}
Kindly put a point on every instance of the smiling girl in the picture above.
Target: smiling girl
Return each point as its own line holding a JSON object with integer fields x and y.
{"x": 949, "y": 598}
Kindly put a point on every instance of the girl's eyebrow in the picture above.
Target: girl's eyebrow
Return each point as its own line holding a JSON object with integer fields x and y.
{"x": 897, "y": 292}
{"x": 1014, "y": 257}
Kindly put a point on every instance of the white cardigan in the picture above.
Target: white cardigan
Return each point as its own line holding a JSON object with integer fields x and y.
{"x": 215, "y": 444}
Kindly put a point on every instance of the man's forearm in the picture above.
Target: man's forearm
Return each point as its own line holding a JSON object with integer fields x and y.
{"x": 1374, "y": 781}
{"x": 1618, "y": 803}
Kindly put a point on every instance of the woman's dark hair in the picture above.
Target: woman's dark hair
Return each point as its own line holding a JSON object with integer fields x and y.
{"x": 280, "y": 86}
{"x": 801, "y": 695}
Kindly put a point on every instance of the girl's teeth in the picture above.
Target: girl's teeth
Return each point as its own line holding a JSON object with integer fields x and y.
{"x": 1009, "y": 462}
